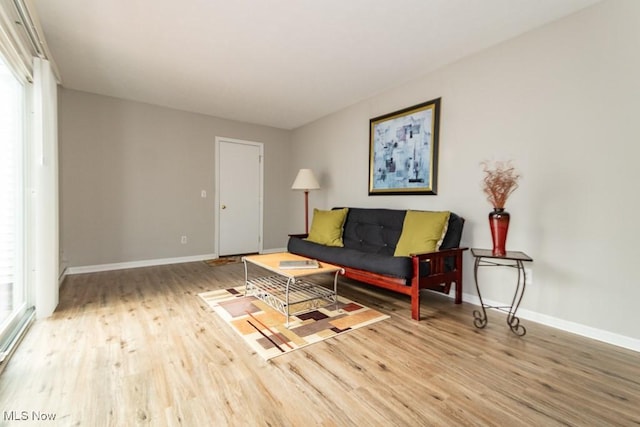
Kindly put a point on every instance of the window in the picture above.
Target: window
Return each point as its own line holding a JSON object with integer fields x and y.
{"x": 13, "y": 295}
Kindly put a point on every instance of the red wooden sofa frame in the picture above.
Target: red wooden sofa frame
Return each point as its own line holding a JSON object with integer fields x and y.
{"x": 438, "y": 279}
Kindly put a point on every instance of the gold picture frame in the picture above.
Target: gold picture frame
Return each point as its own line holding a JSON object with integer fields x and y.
{"x": 403, "y": 151}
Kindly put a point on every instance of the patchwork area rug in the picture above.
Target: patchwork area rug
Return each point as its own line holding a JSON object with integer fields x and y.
{"x": 263, "y": 328}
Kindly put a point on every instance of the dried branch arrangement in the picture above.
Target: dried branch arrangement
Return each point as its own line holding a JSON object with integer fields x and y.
{"x": 499, "y": 182}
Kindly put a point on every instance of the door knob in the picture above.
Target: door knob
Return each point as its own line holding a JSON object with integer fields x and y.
{"x": 223, "y": 207}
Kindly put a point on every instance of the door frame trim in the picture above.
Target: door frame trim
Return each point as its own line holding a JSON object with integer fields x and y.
{"x": 260, "y": 145}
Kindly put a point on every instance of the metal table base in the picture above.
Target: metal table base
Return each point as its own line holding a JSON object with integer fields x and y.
{"x": 512, "y": 259}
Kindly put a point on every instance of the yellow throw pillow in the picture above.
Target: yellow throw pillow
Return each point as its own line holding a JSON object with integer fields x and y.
{"x": 326, "y": 227}
{"x": 422, "y": 231}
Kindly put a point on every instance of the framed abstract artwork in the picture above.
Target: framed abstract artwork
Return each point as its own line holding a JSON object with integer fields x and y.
{"x": 403, "y": 151}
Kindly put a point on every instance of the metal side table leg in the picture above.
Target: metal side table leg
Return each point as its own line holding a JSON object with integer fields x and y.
{"x": 479, "y": 318}
{"x": 512, "y": 320}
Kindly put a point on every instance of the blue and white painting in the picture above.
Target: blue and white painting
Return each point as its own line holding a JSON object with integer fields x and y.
{"x": 402, "y": 153}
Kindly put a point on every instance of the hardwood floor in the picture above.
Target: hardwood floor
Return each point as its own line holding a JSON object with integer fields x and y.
{"x": 138, "y": 347}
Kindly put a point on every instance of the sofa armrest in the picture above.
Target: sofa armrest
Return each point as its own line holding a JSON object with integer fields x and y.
{"x": 440, "y": 277}
{"x": 440, "y": 254}
{"x": 300, "y": 236}
{"x": 437, "y": 260}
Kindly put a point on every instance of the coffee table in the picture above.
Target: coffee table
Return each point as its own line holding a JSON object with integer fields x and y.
{"x": 289, "y": 290}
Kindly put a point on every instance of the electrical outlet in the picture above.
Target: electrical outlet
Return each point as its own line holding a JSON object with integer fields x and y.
{"x": 183, "y": 240}
{"x": 203, "y": 194}
{"x": 529, "y": 276}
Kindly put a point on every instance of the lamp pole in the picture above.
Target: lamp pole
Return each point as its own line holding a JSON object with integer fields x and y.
{"x": 305, "y": 180}
{"x": 306, "y": 211}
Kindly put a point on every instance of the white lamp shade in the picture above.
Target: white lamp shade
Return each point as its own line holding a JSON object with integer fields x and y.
{"x": 305, "y": 181}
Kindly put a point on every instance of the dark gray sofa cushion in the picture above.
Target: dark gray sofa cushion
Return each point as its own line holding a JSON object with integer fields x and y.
{"x": 379, "y": 230}
{"x": 373, "y": 262}
{"x": 373, "y": 231}
{"x": 454, "y": 232}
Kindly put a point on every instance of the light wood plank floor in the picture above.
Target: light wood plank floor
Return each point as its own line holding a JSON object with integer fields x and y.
{"x": 138, "y": 347}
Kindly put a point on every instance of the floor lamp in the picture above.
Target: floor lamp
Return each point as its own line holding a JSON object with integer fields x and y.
{"x": 305, "y": 181}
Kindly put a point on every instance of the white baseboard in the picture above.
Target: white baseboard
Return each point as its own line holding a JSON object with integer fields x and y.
{"x": 273, "y": 251}
{"x": 564, "y": 325}
{"x": 137, "y": 264}
{"x": 146, "y": 263}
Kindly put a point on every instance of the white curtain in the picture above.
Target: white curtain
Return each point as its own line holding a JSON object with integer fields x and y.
{"x": 44, "y": 167}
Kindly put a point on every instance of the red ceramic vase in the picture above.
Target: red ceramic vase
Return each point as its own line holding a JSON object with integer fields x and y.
{"x": 499, "y": 224}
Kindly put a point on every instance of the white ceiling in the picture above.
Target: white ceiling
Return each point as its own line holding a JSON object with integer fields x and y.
{"x": 281, "y": 63}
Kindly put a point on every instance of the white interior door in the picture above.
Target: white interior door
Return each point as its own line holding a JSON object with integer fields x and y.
{"x": 239, "y": 196}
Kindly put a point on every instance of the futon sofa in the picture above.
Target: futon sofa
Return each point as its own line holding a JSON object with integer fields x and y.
{"x": 367, "y": 252}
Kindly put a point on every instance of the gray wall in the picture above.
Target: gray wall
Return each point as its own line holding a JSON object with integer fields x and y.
{"x": 131, "y": 176}
{"x": 561, "y": 102}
